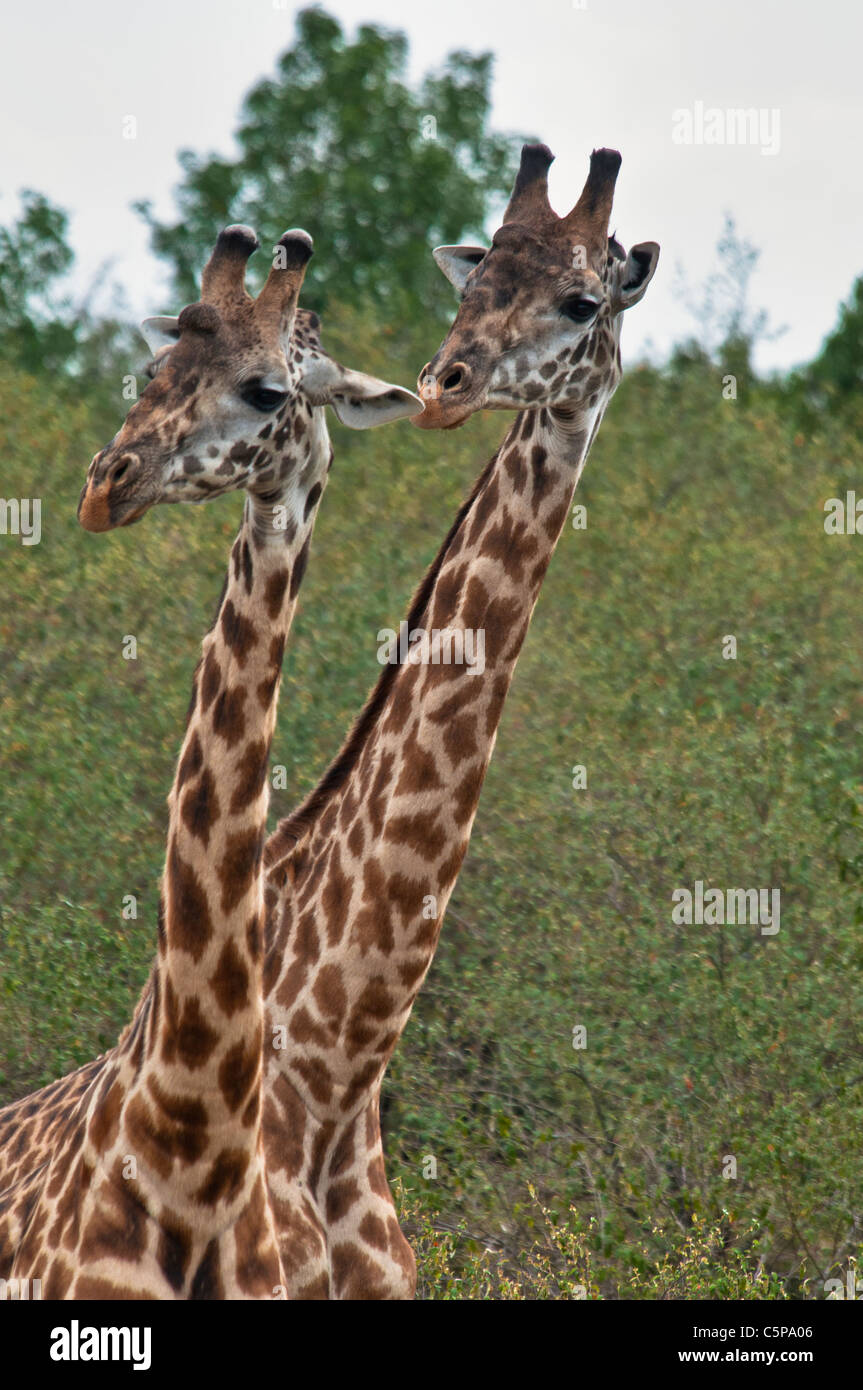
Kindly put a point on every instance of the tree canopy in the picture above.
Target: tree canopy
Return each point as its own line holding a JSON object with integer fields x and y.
{"x": 35, "y": 329}
{"x": 338, "y": 142}
{"x": 838, "y": 368}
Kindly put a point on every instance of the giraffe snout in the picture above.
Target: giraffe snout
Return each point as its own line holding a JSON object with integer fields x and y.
{"x": 445, "y": 389}
{"x": 104, "y": 501}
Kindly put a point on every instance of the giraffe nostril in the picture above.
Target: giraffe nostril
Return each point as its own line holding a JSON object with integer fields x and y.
{"x": 118, "y": 470}
{"x": 457, "y": 377}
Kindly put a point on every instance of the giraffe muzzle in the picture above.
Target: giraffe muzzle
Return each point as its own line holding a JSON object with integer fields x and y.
{"x": 111, "y": 496}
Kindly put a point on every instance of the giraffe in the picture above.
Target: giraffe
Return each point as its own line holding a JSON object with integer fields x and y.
{"x": 142, "y": 1174}
{"x": 359, "y": 876}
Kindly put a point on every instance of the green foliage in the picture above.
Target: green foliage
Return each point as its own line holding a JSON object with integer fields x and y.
{"x": 702, "y": 1262}
{"x": 839, "y": 365}
{"x": 34, "y": 256}
{"x": 834, "y": 381}
{"x": 41, "y": 329}
{"x": 378, "y": 171}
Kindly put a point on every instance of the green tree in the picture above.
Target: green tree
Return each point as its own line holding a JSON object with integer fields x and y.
{"x": 832, "y": 382}
{"x": 43, "y": 328}
{"x": 838, "y": 368}
{"x": 377, "y": 172}
{"x": 35, "y": 329}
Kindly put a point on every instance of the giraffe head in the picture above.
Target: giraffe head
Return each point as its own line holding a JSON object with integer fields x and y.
{"x": 234, "y": 380}
{"x": 539, "y": 320}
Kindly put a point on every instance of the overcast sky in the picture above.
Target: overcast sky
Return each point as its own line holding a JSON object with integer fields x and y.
{"x": 577, "y": 72}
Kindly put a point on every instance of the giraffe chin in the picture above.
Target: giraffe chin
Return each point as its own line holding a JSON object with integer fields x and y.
{"x": 135, "y": 515}
{"x": 435, "y": 417}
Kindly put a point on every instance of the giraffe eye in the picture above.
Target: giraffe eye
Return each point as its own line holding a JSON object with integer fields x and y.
{"x": 579, "y": 309}
{"x": 263, "y": 398}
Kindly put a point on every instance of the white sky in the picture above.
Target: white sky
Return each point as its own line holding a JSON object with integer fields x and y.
{"x": 579, "y": 73}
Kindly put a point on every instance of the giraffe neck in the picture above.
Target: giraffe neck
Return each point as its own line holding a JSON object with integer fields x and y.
{"x": 359, "y": 877}
{"x": 191, "y": 1113}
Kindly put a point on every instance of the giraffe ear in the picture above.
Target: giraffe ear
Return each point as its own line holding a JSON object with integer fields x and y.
{"x": 160, "y": 332}
{"x": 636, "y": 274}
{"x": 360, "y": 401}
{"x": 457, "y": 262}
